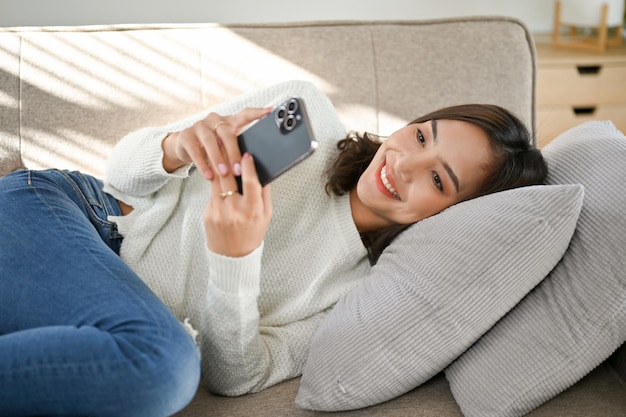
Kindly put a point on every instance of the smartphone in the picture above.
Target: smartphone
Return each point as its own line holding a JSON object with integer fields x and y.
{"x": 278, "y": 141}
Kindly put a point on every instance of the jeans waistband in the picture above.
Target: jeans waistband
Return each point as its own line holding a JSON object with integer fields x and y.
{"x": 86, "y": 192}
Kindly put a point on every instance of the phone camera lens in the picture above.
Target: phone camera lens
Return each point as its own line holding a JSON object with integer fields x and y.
{"x": 292, "y": 106}
{"x": 280, "y": 114}
{"x": 290, "y": 122}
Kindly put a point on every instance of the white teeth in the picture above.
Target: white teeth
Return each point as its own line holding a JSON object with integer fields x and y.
{"x": 383, "y": 177}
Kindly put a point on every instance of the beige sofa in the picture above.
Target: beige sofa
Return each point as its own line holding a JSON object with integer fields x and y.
{"x": 67, "y": 94}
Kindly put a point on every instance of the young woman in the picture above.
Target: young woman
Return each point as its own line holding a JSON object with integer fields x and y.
{"x": 92, "y": 326}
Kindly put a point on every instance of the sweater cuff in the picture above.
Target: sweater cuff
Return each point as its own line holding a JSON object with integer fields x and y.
{"x": 241, "y": 274}
{"x": 153, "y": 158}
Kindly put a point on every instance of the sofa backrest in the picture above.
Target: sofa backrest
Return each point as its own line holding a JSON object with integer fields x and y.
{"x": 67, "y": 94}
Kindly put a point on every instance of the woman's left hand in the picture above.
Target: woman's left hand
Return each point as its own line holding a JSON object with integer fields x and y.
{"x": 235, "y": 223}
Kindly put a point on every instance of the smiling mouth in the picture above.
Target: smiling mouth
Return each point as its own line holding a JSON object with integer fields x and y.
{"x": 387, "y": 184}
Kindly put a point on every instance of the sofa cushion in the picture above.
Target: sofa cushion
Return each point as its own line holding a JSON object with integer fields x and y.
{"x": 577, "y": 317}
{"x": 439, "y": 286}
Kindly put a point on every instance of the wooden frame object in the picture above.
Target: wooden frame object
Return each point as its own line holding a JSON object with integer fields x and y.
{"x": 573, "y": 38}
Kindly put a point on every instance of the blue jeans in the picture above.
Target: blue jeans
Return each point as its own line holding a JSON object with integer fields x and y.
{"x": 80, "y": 333}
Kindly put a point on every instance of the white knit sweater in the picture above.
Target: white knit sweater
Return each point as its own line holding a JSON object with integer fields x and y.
{"x": 256, "y": 314}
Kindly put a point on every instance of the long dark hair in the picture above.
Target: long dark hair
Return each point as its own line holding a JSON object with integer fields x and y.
{"x": 515, "y": 161}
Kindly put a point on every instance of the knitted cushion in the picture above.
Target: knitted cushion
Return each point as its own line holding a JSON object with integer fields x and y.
{"x": 434, "y": 291}
{"x": 577, "y": 317}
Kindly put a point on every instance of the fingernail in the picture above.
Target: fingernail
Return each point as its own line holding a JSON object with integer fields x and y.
{"x": 237, "y": 168}
{"x": 222, "y": 168}
{"x": 208, "y": 174}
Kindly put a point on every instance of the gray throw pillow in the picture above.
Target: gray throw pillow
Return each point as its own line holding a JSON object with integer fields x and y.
{"x": 577, "y": 317}
{"x": 435, "y": 290}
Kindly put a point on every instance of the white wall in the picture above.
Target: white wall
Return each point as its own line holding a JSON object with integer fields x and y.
{"x": 536, "y": 14}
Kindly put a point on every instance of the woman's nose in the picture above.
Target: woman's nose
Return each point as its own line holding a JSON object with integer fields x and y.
{"x": 409, "y": 163}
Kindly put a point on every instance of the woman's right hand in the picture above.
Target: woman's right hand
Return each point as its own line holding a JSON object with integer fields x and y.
{"x": 235, "y": 224}
{"x": 210, "y": 143}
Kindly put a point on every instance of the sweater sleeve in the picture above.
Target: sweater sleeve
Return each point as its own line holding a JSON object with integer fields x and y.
{"x": 135, "y": 166}
{"x": 239, "y": 355}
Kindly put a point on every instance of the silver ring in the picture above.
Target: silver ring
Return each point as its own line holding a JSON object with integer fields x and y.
{"x": 227, "y": 194}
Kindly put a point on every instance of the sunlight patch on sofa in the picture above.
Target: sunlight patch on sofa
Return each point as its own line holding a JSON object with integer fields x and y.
{"x": 7, "y": 100}
{"x": 82, "y": 152}
{"x": 232, "y": 65}
{"x": 94, "y": 73}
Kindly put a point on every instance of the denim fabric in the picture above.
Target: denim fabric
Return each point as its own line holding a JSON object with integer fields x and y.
{"x": 80, "y": 333}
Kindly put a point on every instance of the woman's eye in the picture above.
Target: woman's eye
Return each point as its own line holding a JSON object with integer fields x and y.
{"x": 420, "y": 136}
{"x": 437, "y": 181}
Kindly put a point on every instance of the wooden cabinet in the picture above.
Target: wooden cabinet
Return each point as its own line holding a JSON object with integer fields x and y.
{"x": 576, "y": 86}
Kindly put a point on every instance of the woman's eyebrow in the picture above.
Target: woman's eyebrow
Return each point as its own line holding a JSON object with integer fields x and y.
{"x": 453, "y": 177}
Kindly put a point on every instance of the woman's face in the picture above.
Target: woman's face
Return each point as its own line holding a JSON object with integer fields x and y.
{"x": 420, "y": 170}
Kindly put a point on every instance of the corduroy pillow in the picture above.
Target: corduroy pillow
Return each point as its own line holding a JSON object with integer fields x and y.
{"x": 577, "y": 317}
{"x": 435, "y": 290}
